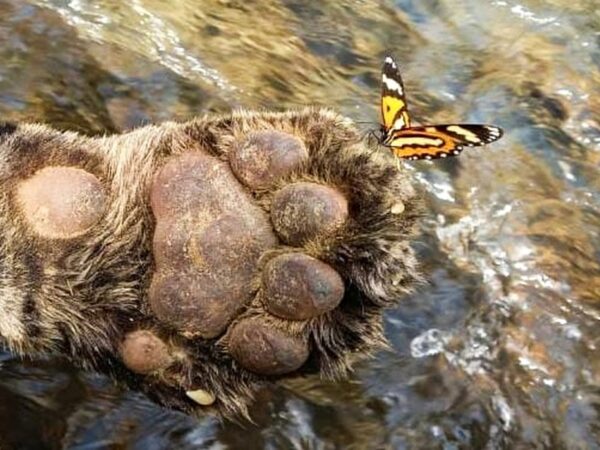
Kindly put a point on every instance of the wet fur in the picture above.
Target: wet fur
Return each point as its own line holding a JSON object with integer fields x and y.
{"x": 78, "y": 297}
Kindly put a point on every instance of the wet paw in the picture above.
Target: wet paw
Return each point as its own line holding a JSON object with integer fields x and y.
{"x": 272, "y": 253}
{"x": 277, "y": 240}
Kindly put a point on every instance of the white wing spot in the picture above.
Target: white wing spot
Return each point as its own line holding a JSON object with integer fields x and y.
{"x": 428, "y": 157}
{"x": 443, "y": 155}
{"x": 392, "y": 84}
{"x": 494, "y": 132}
{"x": 391, "y": 62}
{"x": 399, "y": 123}
{"x": 408, "y": 141}
{"x": 469, "y": 136}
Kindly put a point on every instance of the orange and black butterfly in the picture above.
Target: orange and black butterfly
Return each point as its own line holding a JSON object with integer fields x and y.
{"x": 425, "y": 142}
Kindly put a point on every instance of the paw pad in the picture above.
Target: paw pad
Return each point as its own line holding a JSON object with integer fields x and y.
{"x": 143, "y": 352}
{"x": 209, "y": 236}
{"x": 298, "y": 287}
{"x": 61, "y": 202}
{"x": 304, "y": 211}
{"x": 261, "y": 348}
{"x": 263, "y": 157}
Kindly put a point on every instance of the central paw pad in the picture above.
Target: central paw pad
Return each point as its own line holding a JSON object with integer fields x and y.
{"x": 208, "y": 240}
{"x": 210, "y": 237}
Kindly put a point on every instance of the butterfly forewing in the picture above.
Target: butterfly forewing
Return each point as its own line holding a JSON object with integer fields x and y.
{"x": 427, "y": 142}
{"x": 440, "y": 141}
{"x": 394, "y": 112}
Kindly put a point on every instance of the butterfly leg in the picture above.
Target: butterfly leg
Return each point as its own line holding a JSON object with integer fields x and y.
{"x": 368, "y": 136}
{"x": 374, "y": 147}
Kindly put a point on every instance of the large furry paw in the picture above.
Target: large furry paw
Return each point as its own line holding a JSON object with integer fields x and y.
{"x": 278, "y": 240}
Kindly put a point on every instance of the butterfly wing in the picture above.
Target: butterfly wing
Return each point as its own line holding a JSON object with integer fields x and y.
{"x": 440, "y": 141}
{"x": 394, "y": 112}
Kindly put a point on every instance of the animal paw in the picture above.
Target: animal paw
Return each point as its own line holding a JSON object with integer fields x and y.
{"x": 201, "y": 260}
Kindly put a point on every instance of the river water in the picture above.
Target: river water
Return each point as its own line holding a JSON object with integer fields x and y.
{"x": 501, "y": 348}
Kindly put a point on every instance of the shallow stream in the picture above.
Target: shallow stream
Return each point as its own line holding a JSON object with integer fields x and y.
{"x": 501, "y": 349}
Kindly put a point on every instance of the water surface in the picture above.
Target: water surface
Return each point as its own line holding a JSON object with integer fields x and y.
{"x": 500, "y": 348}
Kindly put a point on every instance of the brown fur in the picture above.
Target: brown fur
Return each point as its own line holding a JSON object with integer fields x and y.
{"x": 80, "y": 296}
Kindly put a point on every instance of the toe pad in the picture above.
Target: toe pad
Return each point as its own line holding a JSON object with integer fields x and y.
{"x": 304, "y": 211}
{"x": 263, "y": 349}
{"x": 264, "y": 156}
{"x": 299, "y": 287}
{"x": 143, "y": 352}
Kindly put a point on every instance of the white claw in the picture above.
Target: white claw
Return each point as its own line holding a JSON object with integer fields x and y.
{"x": 201, "y": 397}
{"x": 397, "y": 208}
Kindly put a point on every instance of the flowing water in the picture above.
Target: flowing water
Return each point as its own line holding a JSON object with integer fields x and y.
{"x": 501, "y": 348}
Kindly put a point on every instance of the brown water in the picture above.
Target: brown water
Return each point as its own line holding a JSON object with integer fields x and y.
{"x": 501, "y": 349}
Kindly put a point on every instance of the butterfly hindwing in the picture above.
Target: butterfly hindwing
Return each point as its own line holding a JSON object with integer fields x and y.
{"x": 440, "y": 141}
{"x": 394, "y": 111}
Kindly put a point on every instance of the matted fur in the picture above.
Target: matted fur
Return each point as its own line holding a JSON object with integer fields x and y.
{"x": 79, "y": 296}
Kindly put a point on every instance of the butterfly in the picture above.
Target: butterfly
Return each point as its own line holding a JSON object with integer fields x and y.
{"x": 422, "y": 142}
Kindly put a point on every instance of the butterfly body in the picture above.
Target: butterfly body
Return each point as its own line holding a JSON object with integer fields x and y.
{"x": 422, "y": 142}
